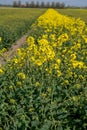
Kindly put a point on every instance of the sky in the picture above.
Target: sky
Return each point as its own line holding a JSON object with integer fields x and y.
{"x": 67, "y": 2}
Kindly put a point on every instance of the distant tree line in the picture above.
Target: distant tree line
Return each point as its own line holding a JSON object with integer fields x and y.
{"x": 33, "y": 4}
{"x": 38, "y": 4}
{"x": 4, "y": 5}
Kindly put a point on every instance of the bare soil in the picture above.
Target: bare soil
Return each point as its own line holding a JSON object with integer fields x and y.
{"x": 13, "y": 50}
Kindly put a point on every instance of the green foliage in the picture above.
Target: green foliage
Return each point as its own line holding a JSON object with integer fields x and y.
{"x": 77, "y": 13}
{"x": 34, "y": 98}
{"x": 14, "y": 23}
{"x": 25, "y": 105}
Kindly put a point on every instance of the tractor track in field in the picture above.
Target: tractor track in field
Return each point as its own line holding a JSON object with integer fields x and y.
{"x": 13, "y": 50}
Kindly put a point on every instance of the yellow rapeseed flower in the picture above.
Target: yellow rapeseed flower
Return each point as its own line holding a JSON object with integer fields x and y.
{"x": 12, "y": 101}
{"x": 15, "y": 60}
{"x": 59, "y": 73}
{"x": 37, "y": 84}
{"x": 78, "y": 64}
{"x": 48, "y": 89}
{"x": 1, "y": 71}
{"x": 58, "y": 61}
{"x": 30, "y": 39}
{"x": 73, "y": 56}
{"x": 19, "y": 83}
{"x": 11, "y": 87}
{"x": 21, "y": 75}
{"x": 38, "y": 62}
{"x": 0, "y": 39}
{"x": 44, "y": 95}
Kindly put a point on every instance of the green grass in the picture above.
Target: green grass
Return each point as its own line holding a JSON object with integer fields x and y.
{"x": 14, "y": 22}
{"x": 78, "y": 13}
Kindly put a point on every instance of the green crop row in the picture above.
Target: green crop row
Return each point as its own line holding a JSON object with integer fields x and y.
{"x": 77, "y": 13}
{"x": 14, "y": 23}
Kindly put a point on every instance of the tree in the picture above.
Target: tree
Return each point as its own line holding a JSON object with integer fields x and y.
{"x": 32, "y": 4}
{"x": 53, "y": 5}
{"x": 57, "y": 5}
{"x": 62, "y": 5}
{"x": 15, "y": 4}
{"x": 19, "y": 3}
{"x": 42, "y": 4}
{"x": 27, "y": 4}
{"x": 37, "y": 4}
{"x": 48, "y": 5}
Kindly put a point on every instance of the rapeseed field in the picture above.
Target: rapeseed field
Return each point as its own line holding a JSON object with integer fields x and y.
{"x": 44, "y": 87}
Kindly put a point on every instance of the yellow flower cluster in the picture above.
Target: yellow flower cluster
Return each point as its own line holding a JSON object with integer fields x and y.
{"x": 58, "y": 42}
{"x": 1, "y": 71}
{"x": 21, "y": 75}
{"x": 2, "y": 51}
{"x": 0, "y": 39}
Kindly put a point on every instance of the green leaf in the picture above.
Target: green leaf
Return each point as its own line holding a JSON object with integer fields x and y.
{"x": 46, "y": 126}
{"x": 35, "y": 123}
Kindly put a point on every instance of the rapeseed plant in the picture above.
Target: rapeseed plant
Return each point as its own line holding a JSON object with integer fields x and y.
{"x": 47, "y": 79}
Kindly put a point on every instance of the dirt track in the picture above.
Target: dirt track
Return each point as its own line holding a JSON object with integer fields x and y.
{"x": 13, "y": 50}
